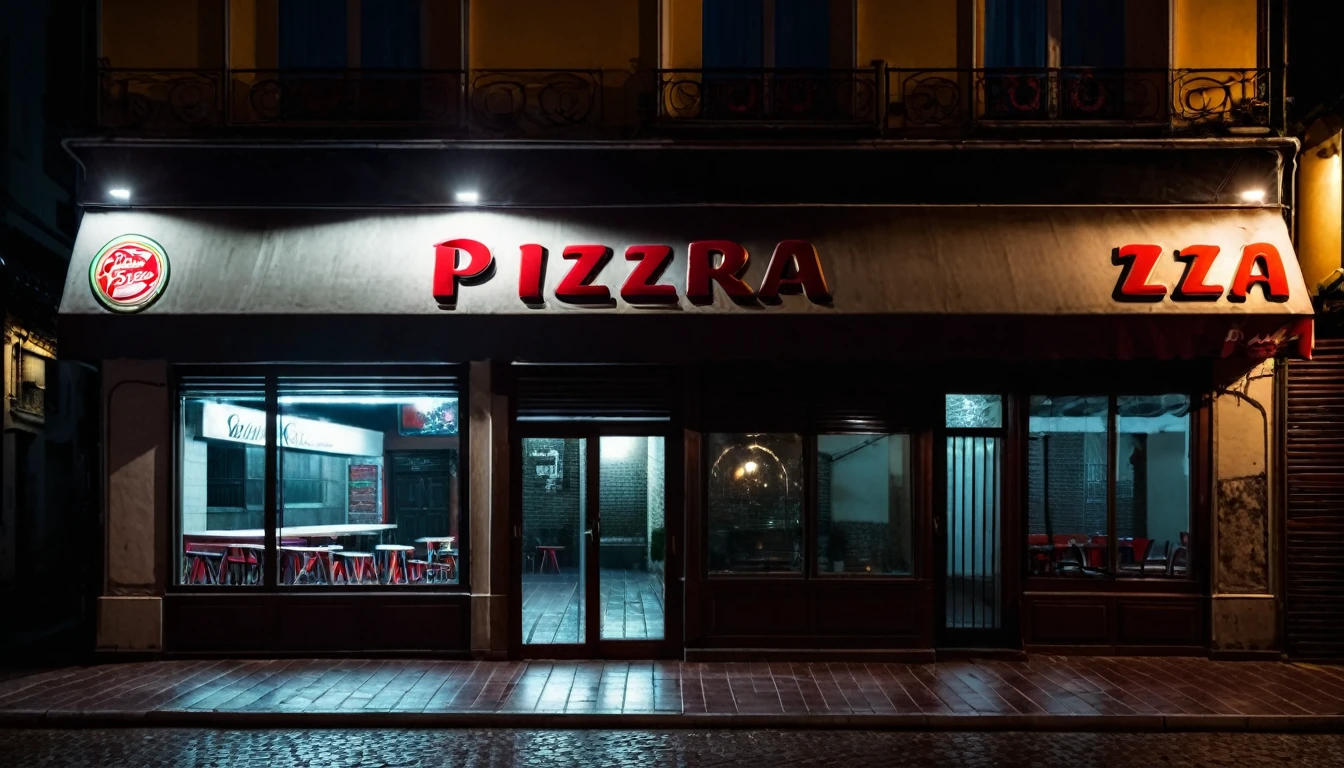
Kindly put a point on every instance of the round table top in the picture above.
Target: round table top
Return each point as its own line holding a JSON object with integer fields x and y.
{"x": 354, "y": 554}
{"x": 236, "y": 545}
{"x": 305, "y": 549}
{"x": 432, "y": 539}
{"x": 394, "y": 548}
{"x": 549, "y": 546}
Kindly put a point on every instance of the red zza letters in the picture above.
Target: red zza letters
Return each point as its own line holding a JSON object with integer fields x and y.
{"x": 794, "y": 267}
{"x": 1138, "y": 262}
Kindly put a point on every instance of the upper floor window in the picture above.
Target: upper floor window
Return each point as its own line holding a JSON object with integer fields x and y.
{"x": 323, "y": 34}
{"x": 773, "y": 33}
{"x": 1038, "y": 33}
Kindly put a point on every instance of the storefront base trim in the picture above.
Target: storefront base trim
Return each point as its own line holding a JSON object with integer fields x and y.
{"x": 1244, "y": 623}
{"x": 130, "y": 624}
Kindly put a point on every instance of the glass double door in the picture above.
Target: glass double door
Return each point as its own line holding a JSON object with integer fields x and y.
{"x": 593, "y": 548}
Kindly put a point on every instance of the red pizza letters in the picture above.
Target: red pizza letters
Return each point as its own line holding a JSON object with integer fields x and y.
{"x": 1260, "y": 264}
{"x": 794, "y": 267}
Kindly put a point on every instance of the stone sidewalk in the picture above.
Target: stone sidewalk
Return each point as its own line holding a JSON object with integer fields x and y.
{"x": 1043, "y": 693}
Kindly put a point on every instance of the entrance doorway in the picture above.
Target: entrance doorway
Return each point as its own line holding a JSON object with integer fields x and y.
{"x": 970, "y": 535}
{"x": 592, "y": 555}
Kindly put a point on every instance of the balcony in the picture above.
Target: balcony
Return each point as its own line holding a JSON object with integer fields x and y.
{"x": 876, "y": 102}
{"x": 507, "y": 103}
{"x": 1236, "y": 101}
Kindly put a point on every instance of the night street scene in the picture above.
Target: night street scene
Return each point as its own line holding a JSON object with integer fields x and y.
{"x": 672, "y": 383}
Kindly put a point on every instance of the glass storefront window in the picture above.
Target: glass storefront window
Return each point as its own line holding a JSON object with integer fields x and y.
{"x": 1152, "y": 486}
{"x": 221, "y": 482}
{"x": 368, "y": 486}
{"x": 863, "y": 504}
{"x": 1067, "y": 478}
{"x": 755, "y": 510}
{"x": 1070, "y": 484}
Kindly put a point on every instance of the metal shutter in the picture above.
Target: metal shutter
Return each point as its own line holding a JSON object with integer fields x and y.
{"x": 1315, "y": 513}
{"x": 595, "y": 392}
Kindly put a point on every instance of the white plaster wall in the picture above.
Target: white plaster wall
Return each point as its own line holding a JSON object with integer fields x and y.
{"x": 1245, "y": 542}
{"x": 138, "y": 418}
{"x": 1168, "y": 486}
{"x": 860, "y": 484}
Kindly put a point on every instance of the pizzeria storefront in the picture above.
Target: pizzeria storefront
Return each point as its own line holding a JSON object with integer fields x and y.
{"x": 579, "y": 432}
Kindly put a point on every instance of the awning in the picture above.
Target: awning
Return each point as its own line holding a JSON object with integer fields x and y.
{"x": 941, "y": 282}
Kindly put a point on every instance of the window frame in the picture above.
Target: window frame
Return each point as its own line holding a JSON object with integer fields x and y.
{"x": 809, "y": 431}
{"x": 1199, "y": 457}
{"x": 270, "y": 376}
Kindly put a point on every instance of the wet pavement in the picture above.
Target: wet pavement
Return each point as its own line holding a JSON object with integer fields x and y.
{"x": 474, "y": 748}
{"x": 1093, "y": 693}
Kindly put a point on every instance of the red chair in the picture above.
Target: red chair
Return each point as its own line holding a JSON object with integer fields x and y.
{"x": 1138, "y": 549}
{"x": 1098, "y": 553}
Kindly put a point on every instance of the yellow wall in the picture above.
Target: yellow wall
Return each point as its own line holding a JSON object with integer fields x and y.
{"x": 556, "y": 34}
{"x": 1318, "y": 210}
{"x": 243, "y": 34}
{"x": 681, "y": 41}
{"x": 158, "y": 34}
{"x": 1214, "y": 34}
{"x": 908, "y": 33}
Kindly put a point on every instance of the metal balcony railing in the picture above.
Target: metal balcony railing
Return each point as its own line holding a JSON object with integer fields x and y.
{"x": 577, "y": 103}
{"x": 1186, "y": 98}
{"x": 484, "y": 102}
{"x": 790, "y": 96}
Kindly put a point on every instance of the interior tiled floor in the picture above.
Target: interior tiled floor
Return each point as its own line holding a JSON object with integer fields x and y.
{"x": 1064, "y": 686}
{"x": 553, "y": 607}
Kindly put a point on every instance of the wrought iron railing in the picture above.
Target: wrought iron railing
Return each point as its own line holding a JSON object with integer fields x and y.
{"x": 797, "y": 96}
{"x": 1187, "y": 98}
{"x": 373, "y": 97}
{"x": 531, "y": 103}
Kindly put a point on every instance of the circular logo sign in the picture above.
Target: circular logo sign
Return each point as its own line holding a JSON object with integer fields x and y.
{"x": 129, "y": 273}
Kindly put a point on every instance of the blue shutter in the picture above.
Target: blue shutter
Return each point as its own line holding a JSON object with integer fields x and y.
{"x": 732, "y": 33}
{"x": 312, "y": 34}
{"x": 1094, "y": 34}
{"x": 389, "y": 34}
{"x": 803, "y": 33}
{"x": 1015, "y": 33}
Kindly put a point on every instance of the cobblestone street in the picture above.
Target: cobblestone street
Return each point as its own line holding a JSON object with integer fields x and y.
{"x": 475, "y": 748}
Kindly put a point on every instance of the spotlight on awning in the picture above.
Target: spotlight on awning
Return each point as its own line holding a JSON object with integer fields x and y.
{"x": 120, "y": 193}
{"x": 470, "y": 198}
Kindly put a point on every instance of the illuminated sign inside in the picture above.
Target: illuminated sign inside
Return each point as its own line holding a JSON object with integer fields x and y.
{"x": 794, "y": 267}
{"x": 129, "y": 273}
{"x": 245, "y": 425}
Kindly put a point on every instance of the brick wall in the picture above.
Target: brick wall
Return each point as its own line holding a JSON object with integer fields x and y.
{"x": 656, "y": 490}
{"x": 1078, "y": 486}
{"x": 625, "y": 492}
{"x": 823, "y": 511}
{"x": 554, "y": 515}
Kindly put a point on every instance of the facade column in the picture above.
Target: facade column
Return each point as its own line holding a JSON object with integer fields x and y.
{"x": 1244, "y": 615}
{"x": 137, "y": 433}
{"x": 488, "y": 465}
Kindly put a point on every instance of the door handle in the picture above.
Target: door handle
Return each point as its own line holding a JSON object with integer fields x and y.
{"x": 596, "y": 529}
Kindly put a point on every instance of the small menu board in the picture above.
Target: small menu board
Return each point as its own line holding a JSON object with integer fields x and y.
{"x": 364, "y": 494}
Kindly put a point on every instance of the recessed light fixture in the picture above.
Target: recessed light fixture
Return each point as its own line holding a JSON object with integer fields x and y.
{"x": 1253, "y": 195}
{"x": 470, "y": 198}
{"x": 121, "y": 193}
